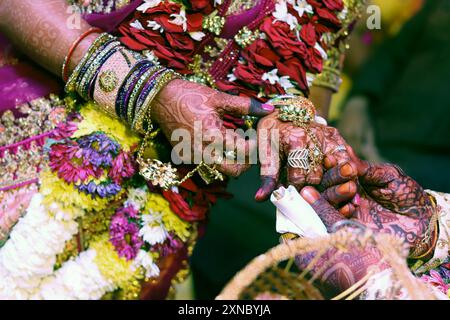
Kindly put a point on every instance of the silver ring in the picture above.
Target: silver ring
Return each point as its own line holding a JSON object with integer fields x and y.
{"x": 339, "y": 148}
{"x": 299, "y": 158}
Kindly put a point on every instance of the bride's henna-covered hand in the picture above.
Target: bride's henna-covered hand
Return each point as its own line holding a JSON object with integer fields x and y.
{"x": 339, "y": 270}
{"x": 186, "y": 105}
{"x": 41, "y": 30}
{"x": 291, "y": 138}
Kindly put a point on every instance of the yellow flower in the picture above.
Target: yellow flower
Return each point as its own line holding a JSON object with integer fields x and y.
{"x": 71, "y": 201}
{"x": 96, "y": 120}
{"x": 157, "y": 203}
{"x": 112, "y": 267}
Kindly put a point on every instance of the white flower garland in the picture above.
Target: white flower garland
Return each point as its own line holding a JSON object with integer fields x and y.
{"x": 30, "y": 253}
{"x": 27, "y": 259}
{"x": 78, "y": 279}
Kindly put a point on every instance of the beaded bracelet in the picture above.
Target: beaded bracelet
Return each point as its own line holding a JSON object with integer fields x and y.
{"x": 144, "y": 112}
{"x": 148, "y": 87}
{"x": 138, "y": 87}
{"x": 111, "y": 74}
{"x": 99, "y": 41}
{"x": 90, "y": 85}
{"x": 92, "y": 65}
{"x": 134, "y": 80}
{"x": 124, "y": 88}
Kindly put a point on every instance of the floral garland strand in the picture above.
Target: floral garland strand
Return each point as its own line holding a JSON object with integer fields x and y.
{"x": 54, "y": 252}
{"x": 30, "y": 253}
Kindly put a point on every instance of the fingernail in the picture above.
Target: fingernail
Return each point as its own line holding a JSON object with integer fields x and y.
{"x": 345, "y": 188}
{"x": 344, "y": 210}
{"x": 310, "y": 194}
{"x": 267, "y": 107}
{"x": 259, "y": 194}
{"x": 347, "y": 211}
{"x": 329, "y": 162}
{"x": 346, "y": 170}
{"x": 357, "y": 200}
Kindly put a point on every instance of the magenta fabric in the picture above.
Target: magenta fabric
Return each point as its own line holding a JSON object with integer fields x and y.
{"x": 235, "y": 22}
{"x": 23, "y": 81}
{"x": 110, "y": 21}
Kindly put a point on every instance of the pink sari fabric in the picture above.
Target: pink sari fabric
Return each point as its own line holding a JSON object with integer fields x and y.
{"x": 24, "y": 81}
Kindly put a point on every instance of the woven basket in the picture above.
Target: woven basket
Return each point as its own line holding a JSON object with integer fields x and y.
{"x": 265, "y": 278}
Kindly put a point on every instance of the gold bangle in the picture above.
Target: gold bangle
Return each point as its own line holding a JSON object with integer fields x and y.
{"x": 432, "y": 230}
{"x": 414, "y": 255}
{"x": 145, "y": 112}
{"x": 137, "y": 90}
{"x": 99, "y": 41}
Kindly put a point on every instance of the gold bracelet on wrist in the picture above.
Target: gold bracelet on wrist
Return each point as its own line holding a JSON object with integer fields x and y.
{"x": 426, "y": 243}
{"x": 144, "y": 113}
{"x": 98, "y": 42}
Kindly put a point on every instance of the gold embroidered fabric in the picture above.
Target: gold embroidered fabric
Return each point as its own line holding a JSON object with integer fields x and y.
{"x": 239, "y": 6}
{"x": 21, "y": 139}
{"x": 330, "y": 76}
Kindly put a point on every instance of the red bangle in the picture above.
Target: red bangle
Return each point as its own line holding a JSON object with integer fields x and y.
{"x": 74, "y": 45}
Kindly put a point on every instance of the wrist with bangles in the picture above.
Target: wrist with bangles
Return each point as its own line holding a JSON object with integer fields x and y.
{"x": 425, "y": 247}
{"x": 124, "y": 84}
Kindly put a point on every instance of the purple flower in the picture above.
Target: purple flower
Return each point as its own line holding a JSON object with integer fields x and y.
{"x": 98, "y": 149}
{"x": 103, "y": 190}
{"x": 124, "y": 236}
{"x": 445, "y": 273}
{"x": 128, "y": 211}
{"x": 66, "y": 159}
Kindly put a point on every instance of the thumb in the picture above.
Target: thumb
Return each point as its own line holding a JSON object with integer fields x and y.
{"x": 243, "y": 106}
{"x": 324, "y": 210}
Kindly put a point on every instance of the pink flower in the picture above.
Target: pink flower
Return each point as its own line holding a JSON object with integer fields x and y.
{"x": 122, "y": 167}
{"x": 67, "y": 161}
{"x": 124, "y": 235}
{"x": 436, "y": 280}
{"x": 128, "y": 211}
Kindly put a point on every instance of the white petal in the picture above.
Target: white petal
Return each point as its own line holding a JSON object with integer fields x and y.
{"x": 137, "y": 25}
{"x": 197, "y": 35}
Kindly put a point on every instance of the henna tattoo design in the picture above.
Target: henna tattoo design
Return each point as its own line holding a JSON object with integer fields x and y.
{"x": 184, "y": 104}
{"x": 292, "y": 138}
{"x": 39, "y": 28}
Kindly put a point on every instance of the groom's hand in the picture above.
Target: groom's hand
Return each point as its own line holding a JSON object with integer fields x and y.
{"x": 386, "y": 201}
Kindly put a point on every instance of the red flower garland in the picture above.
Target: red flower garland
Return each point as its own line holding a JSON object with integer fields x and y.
{"x": 292, "y": 53}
